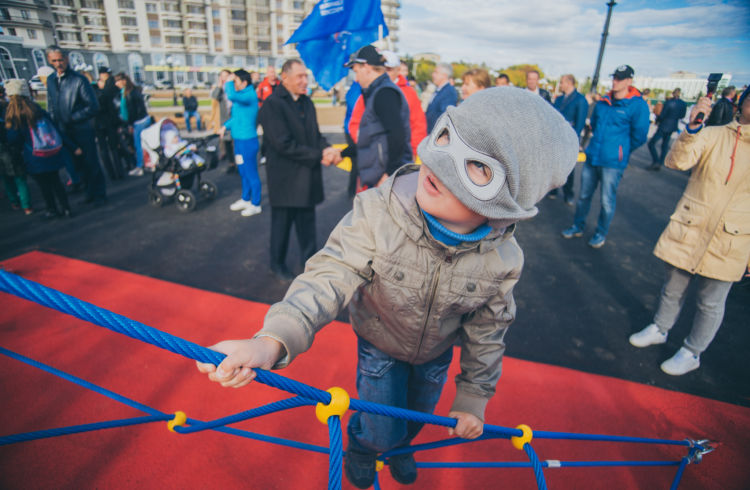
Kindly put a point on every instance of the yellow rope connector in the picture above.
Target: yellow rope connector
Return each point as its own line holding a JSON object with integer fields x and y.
{"x": 379, "y": 465}
{"x": 179, "y": 419}
{"x": 519, "y": 441}
{"x": 338, "y": 406}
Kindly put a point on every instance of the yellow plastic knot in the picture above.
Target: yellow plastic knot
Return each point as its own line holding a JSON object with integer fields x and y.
{"x": 338, "y": 406}
{"x": 179, "y": 419}
{"x": 519, "y": 441}
{"x": 379, "y": 465}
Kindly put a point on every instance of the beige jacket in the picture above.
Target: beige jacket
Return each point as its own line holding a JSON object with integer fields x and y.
{"x": 709, "y": 232}
{"x": 408, "y": 294}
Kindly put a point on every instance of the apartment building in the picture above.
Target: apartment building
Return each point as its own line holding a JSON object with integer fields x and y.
{"x": 157, "y": 41}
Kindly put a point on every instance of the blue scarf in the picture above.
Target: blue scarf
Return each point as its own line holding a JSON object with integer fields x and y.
{"x": 448, "y": 237}
{"x": 123, "y": 106}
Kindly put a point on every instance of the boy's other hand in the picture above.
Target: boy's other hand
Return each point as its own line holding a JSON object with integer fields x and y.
{"x": 236, "y": 370}
{"x": 467, "y": 427}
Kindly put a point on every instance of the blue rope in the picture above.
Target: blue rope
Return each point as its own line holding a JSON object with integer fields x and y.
{"x": 538, "y": 473}
{"x": 308, "y": 395}
{"x": 545, "y": 464}
{"x": 334, "y": 461}
{"x": 249, "y": 414}
{"x": 75, "y": 429}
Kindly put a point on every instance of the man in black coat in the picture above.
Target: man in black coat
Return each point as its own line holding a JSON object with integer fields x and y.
{"x": 72, "y": 103}
{"x": 674, "y": 110}
{"x": 107, "y": 122}
{"x": 723, "y": 111}
{"x": 295, "y": 150}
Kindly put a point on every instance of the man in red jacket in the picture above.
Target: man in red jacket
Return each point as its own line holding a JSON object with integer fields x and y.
{"x": 417, "y": 120}
{"x": 268, "y": 85}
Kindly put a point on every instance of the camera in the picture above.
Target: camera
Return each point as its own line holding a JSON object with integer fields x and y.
{"x": 713, "y": 83}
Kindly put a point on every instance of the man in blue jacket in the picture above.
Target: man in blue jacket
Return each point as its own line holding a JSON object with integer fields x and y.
{"x": 574, "y": 108}
{"x": 620, "y": 125}
{"x": 445, "y": 94}
{"x": 674, "y": 109}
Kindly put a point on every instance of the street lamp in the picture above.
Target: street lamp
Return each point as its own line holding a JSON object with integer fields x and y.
{"x": 170, "y": 63}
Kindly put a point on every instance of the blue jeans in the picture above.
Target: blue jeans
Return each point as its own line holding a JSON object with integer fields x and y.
{"x": 590, "y": 178}
{"x": 188, "y": 115}
{"x": 664, "y": 137}
{"x": 383, "y": 379}
{"x": 138, "y": 128}
{"x": 711, "y": 298}
{"x": 246, "y": 157}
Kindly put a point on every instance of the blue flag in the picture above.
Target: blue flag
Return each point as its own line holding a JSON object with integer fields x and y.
{"x": 334, "y": 30}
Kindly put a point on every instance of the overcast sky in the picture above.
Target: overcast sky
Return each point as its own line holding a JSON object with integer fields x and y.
{"x": 656, "y": 38}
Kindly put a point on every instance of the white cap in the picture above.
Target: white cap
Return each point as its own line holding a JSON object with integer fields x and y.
{"x": 45, "y": 71}
{"x": 391, "y": 59}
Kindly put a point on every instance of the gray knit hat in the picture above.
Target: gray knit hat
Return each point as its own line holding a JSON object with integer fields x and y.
{"x": 528, "y": 146}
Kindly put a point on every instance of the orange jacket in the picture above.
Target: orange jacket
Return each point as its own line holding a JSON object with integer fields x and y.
{"x": 265, "y": 89}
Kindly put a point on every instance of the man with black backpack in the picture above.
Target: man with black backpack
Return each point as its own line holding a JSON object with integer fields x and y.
{"x": 72, "y": 104}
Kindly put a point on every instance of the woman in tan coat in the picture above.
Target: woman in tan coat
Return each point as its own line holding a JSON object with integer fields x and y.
{"x": 708, "y": 236}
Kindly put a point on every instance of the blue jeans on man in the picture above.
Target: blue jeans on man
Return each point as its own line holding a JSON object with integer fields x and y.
{"x": 383, "y": 379}
{"x": 196, "y": 115}
{"x": 591, "y": 176}
{"x": 138, "y": 128}
{"x": 246, "y": 158}
{"x": 665, "y": 138}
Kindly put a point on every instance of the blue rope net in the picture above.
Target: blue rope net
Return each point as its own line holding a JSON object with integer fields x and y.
{"x": 306, "y": 396}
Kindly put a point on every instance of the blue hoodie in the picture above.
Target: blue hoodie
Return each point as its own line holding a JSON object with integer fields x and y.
{"x": 620, "y": 126}
{"x": 244, "y": 112}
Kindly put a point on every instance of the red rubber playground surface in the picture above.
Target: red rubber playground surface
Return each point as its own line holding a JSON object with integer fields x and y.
{"x": 544, "y": 397}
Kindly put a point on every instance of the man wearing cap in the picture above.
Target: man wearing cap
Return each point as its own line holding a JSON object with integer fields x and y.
{"x": 445, "y": 94}
{"x": 620, "y": 125}
{"x": 72, "y": 104}
{"x": 674, "y": 109}
{"x": 383, "y": 138}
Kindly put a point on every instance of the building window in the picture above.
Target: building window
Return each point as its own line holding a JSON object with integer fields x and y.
{"x": 215, "y": 13}
{"x": 76, "y": 59}
{"x": 153, "y": 24}
{"x": 131, "y": 38}
{"x": 175, "y": 39}
{"x": 238, "y": 61}
{"x": 150, "y": 7}
{"x": 263, "y": 17}
{"x": 217, "y": 28}
{"x": 238, "y": 15}
{"x": 172, "y": 23}
{"x": 155, "y": 40}
{"x": 65, "y": 19}
{"x": 198, "y": 41}
{"x": 237, "y": 44}
{"x": 12, "y": 31}
{"x": 100, "y": 61}
{"x": 170, "y": 7}
{"x": 264, "y": 46}
{"x": 69, "y": 36}
{"x": 298, "y": 18}
{"x": 194, "y": 9}
{"x": 128, "y": 21}
{"x": 298, "y": 5}
{"x": 135, "y": 62}
{"x": 238, "y": 30}
{"x": 126, "y": 4}
{"x": 197, "y": 26}
{"x": 92, "y": 4}
{"x": 39, "y": 58}
{"x": 64, "y": 3}
{"x": 94, "y": 21}
{"x": 25, "y": 14}
{"x": 98, "y": 38}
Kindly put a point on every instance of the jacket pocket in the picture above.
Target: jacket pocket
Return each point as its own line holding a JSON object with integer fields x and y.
{"x": 686, "y": 222}
{"x": 737, "y": 227}
{"x": 467, "y": 293}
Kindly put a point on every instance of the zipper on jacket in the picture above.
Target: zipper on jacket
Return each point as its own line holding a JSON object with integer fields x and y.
{"x": 430, "y": 302}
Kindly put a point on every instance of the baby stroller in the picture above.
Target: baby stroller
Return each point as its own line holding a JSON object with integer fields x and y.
{"x": 176, "y": 166}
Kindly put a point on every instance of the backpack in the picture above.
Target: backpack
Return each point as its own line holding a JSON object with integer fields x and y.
{"x": 46, "y": 140}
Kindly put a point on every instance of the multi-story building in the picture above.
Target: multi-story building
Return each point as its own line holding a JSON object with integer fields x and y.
{"x": 156, "y": 41}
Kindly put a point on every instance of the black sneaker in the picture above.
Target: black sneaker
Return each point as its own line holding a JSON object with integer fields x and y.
{"x": 403, "y": 468}
{"x": 359, "y": 468}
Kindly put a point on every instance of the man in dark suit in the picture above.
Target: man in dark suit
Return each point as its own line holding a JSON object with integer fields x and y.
{"x": 532, "y": 85}
{"x": 295, "y": 150}
{"x": 445, "y": 94}
{"x": 723, "y": 111}
{"x": 674, "y": 109}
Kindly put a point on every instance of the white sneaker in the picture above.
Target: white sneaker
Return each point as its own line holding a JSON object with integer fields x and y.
{"x": 239, "y": 205}
{"x": 251, "y": 210}
{"x": 682, "y": 362}
{"x": 648, "y": 336}
{"x": 136, "y": 172}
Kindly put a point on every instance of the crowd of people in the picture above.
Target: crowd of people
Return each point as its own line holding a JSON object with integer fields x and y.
{"x": 426, "y": 259}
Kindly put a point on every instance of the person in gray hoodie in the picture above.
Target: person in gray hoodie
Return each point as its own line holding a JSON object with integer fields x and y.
{"x": 423, "y": 261}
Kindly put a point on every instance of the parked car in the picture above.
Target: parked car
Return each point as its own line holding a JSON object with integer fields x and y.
{"x": 36, "y": 84}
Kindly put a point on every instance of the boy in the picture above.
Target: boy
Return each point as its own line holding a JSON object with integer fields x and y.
{"x": 424, "y": 260}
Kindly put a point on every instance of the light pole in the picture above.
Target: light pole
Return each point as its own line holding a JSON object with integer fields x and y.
{"x": 170, "y": 63}
{"x": 595, "y": 80}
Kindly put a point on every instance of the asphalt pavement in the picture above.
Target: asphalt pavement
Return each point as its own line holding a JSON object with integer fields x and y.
{"x": 576, "y": 305}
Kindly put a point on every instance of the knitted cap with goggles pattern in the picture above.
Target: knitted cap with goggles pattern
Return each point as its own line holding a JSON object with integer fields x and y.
{"x": 525, "y": 146}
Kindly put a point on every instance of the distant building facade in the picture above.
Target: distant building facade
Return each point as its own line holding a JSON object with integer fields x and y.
{"x": 154, "y": 41}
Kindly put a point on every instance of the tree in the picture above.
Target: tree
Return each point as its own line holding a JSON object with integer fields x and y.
{"x": 517, "y": 73}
